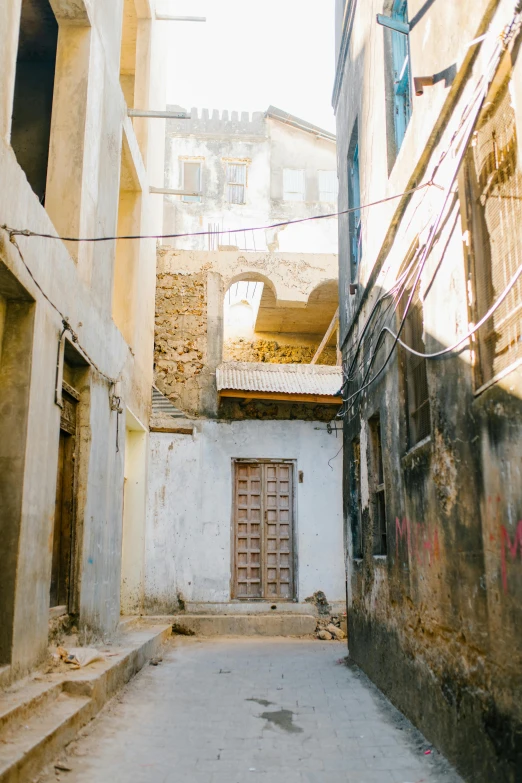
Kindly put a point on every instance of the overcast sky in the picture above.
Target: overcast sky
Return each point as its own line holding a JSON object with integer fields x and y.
{"x": 253, "y": 53}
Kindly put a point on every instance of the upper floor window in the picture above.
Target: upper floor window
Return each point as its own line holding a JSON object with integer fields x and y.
{"x": 328, "y": 186}
{"x": 191, "y": 180}
{"x": 354, "y": 202}
{"x": 493, "y": 198}
{"x": 378, "y": 489}
{"x": 401, "y": 73}
{"x": 294, "y": 185}
{"x": 236, "y": 183}
{"x": 415, "y": 375}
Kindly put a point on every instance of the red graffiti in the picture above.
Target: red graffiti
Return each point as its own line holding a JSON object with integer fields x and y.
{"x": 419, "y": 542}
{"x": 513, "y": 547}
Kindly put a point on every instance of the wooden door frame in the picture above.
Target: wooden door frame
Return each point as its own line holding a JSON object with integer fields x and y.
{"x": 295, "y": 560}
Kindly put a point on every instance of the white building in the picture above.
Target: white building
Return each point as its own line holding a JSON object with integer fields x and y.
{"x": 251, "y": 171}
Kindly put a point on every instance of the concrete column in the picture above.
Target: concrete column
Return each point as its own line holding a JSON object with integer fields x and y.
{"x": 10, "y": 11}
{"x": 134, "y": 510}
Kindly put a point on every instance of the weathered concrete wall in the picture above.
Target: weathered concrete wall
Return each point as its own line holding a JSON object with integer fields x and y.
{"x": 188, "y": 548}
{"x": 266, "y": 146}
{"x": 82, "y": 197}
{"x": 437, "y": 621}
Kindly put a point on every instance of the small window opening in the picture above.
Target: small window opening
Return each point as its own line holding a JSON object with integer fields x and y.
{"x": 328, "y": 186}
{"x": 355, "y": 498}
{"x": 354, "y": 202}
{"x": 191, "y": 180}
{"x": 380, "y": 545}
{"x": 236, "y": 183}
{"x": 415, "y": 373}
{"x": 294, "y": 185}
{"x": 493, "y": 175}
{"x": 33, "y": 92}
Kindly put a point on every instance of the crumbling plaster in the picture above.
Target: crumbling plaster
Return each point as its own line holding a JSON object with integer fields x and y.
{"x": 80, "y": 288}
{"x": 188, "y": 541}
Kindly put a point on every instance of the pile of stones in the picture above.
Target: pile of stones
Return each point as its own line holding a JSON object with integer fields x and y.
{"x": 329, "y": 628}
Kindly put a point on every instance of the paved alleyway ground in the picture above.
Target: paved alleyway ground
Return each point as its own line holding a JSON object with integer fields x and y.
{"x": 251, "y": 711}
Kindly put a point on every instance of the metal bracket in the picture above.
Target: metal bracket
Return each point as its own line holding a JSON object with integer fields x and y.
{"x": 159, "y": 115}
{"x": 393, "y": 24}
{"x": 171, "y": 192}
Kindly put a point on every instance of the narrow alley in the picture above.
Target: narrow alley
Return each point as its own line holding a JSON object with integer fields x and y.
{"x": 232, "y": 710}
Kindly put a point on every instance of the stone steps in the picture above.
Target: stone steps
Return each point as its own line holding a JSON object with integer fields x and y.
{"x": 245, "y": 624}
{"x": 39, "y": 716}
{"x": 52, "y": 724}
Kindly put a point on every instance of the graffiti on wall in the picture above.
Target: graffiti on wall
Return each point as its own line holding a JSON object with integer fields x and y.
{"x": 421, "y": 544}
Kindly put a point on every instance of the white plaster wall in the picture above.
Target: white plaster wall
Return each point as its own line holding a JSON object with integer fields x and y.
{"x": 189, "y": 508}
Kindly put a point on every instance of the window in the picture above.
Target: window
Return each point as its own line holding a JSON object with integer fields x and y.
{"x": 328, "y": 186}
{"x": 380, "y": 545}
{"x": 34, "y": 90}
{"x": 294, "y": 185}
{"x": 355, "y": 498}
{"x": 191, "y": 180}
{"x": 401, "y": 73}
{"x": 493, "y": 177}
{"x": 236, "y": 183}
{"x": 415, "y": 373}
{"x": 354, "y": 202}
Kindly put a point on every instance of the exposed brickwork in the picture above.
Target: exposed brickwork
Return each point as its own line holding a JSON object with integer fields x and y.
{"x": 181, "y": 337}
{"x": 274, "y": 352}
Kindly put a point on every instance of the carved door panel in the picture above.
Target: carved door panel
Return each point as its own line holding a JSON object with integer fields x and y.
{"x": 263, "y": 531}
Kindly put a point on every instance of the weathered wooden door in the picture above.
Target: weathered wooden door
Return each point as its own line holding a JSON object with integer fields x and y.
{"x": 263, "y": 531}
{"x": 63, "y": 538}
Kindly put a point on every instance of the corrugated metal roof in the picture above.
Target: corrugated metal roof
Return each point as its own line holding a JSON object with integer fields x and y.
{"x": 162, "y": 406}
{"x": 313, "y": 379}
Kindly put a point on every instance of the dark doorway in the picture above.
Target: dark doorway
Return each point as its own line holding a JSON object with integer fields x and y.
{"x": 33, "y": 94}
{"x": 64, "y": 517}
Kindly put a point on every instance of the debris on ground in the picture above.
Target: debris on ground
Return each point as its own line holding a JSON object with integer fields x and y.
{"x": 319, "y": 600}
{"x": 155, "y": 661}
{"x": 329, "y": 628}
{"x": 182, "y": 630}
{"x": 79, "y": 657}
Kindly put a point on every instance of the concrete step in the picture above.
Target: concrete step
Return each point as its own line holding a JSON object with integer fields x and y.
{"x": 26, "y": 748}
{"x": 245, "y": 624}
{"x": 18, "y": 705}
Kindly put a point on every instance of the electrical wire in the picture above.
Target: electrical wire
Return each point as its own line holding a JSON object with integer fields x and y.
{"x": 464, "y": 131}
{"x": 14, "y": 232}
{"x": 65, "y": 321}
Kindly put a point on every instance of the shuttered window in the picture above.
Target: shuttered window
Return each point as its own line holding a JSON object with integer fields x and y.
{"x": 401, "y": 74}
{"x": 380, "y": 546}
{"x": 236, "y": 183}
{"x": 354, "y": 202}
{"x": 294, "y": 185}
{"x": 191, "y": 180}
{"x": 494, "y": 208}
{"x": 328, "y": 186}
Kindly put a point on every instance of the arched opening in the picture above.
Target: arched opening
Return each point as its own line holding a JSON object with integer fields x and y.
{"x": 257, "y": 329}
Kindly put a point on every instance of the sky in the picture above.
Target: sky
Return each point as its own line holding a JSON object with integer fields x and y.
{"x": 253, "y": 53}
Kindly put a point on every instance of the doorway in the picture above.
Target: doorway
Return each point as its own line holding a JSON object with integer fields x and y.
{"x": 64, "y": 516}
{"x": 264, "y": 530}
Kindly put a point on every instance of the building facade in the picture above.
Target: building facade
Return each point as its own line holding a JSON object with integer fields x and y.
{"x": 76, "y": 318}
{"x": 428, "y": 99}
{"x": 251, "y": 170}
{"x": 244, "y": 501}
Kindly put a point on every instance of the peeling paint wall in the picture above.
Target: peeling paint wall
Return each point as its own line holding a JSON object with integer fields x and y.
{"x": 88, "y": 128}
{"x": 267, "y": 146}
{"x": 188, "y": 546}
{"x": 437, "y": 621}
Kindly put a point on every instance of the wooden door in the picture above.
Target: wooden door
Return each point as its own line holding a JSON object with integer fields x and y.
{"x": 63, "y": 537}
{"x": 263, "y": 531}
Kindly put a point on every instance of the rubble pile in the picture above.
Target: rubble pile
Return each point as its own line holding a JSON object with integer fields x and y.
{"x": 329, "y": 628}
